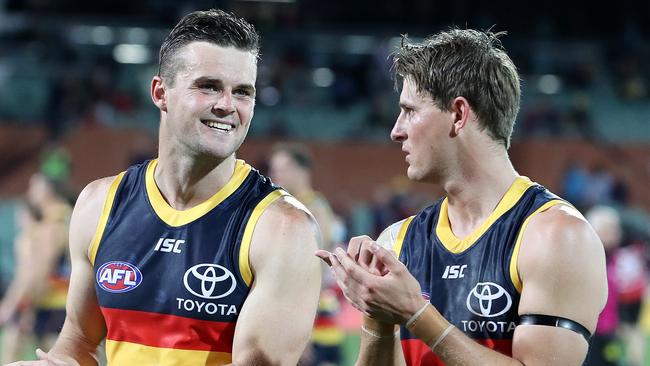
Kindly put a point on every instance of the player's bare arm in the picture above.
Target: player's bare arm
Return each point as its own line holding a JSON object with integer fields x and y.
{"x": 562, "y": 268}
{"x": 276, "y": 320}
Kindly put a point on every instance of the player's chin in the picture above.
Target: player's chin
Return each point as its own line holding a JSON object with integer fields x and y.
{"x": 413, "y": 173}
{"x": 217, "y": 152}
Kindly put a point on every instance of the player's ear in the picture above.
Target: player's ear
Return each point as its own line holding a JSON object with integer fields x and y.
{"x": 460, "y": 109}
{"x": 158, "y": 93}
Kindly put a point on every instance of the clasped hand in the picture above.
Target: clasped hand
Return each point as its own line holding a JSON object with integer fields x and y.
{"x": 374, "y": 280}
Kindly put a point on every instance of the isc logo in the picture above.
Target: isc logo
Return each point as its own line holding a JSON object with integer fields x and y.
{"x": 118, "y": 277}
{"x": 169, "y": 245}
{"x": 455, "y": 271}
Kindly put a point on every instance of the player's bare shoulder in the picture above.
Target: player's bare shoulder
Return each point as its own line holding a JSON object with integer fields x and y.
{"x": 287, "y": 217}
{"x": 563, "y": 230}
{"x": 288, "y": 209}
{"x": 87, "y": 211}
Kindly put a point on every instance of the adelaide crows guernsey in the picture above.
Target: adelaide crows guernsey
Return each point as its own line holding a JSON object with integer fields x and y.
{"x": 170, "y": 283}
{"x": 472, "y": 282}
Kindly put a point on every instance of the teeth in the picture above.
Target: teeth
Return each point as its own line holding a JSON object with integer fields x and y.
{"x": 217, "y": 125}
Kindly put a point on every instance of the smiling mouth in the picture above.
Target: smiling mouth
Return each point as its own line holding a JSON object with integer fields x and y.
{"x": 218, "y": 125}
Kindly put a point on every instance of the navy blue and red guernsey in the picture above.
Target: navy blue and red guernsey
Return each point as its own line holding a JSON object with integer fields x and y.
{"x": 170, "y": 283}
{"x": 472, "y": 282}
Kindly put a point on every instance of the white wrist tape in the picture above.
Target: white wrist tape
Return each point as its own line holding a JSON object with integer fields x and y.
{"x": 376, "y": 335}
{"x": 416, "y": 315}
{"x": 442, "y": 336}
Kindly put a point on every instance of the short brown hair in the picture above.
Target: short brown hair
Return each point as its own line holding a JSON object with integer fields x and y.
{"x": 214, "y": 26}
{"x": 467, "y": 63}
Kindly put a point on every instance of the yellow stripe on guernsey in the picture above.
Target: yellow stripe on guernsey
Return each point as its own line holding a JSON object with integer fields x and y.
{"x": 244, "y": 263}
{"x": 399, "y": 241}
{"x": 132, "y": 354}
{"x": 175, "y": 218}
{"x": 103, "y": 219}
{"x": 455, "y": 245}
{"x": 514, "y": 273}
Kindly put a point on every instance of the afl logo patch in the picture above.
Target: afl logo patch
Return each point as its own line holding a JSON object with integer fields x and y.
{"x": 487, "y": 299}
{"x": 118, "y": 277}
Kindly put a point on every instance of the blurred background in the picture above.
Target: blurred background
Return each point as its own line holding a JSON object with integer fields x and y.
{"x": 75, "y": 106}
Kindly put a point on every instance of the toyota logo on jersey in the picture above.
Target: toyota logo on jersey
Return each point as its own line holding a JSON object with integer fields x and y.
{"x": 487, "y": 299}
{"x": 209, "y": 281}
{"x": 118, "y": 277}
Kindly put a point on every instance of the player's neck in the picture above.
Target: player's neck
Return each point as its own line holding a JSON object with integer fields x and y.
{"x": 476, "y": 189}
{"x": 186, "y": 181}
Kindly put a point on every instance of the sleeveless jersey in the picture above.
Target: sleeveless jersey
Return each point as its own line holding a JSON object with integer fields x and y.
{"x": 170, "y": 283}
{"x": 472, "y": 282}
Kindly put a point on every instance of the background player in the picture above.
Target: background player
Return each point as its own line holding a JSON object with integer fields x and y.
{"x": 34, "y": 304}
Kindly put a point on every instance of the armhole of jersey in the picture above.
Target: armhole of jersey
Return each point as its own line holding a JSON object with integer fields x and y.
{"x": 399, "y": 241}
{"x": 514, "y": 273}
{"x": 103, "y": 219}
{"x": 244, "y": 262}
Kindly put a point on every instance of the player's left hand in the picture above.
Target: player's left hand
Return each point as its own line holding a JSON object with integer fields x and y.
{"x": 392, "y": 296}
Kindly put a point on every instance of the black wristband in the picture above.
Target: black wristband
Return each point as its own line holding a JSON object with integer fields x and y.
{"x": 555, "y": 321}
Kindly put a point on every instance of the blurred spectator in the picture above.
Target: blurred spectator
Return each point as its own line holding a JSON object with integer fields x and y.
{"x": 632, "y": 280}
{"x": 605, "y": 347}
{"x": 599, "y": 187}
{"x": 627, "y": 280}
{"x": 585, "y": 188}
{"x": 575, "y": 180}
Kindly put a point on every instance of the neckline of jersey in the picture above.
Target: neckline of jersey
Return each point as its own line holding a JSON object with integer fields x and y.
{"x": 455, "y": 245}
{"x": 174, "y": 217}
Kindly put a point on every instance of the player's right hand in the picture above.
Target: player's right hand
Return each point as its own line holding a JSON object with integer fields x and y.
{"x": 359, "y": 250}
